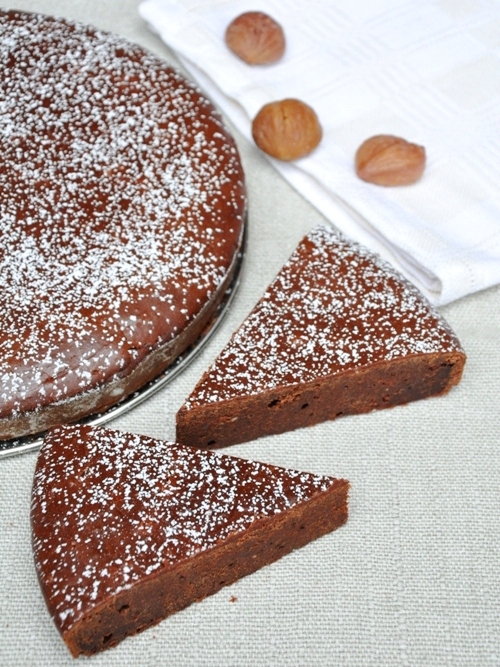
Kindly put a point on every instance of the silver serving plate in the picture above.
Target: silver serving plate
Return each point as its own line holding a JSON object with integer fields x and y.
{"x": 33, "y": 442}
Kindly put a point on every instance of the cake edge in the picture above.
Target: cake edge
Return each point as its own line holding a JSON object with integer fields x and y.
{"x": 286, "y": 408}
{"x": 101, "y": 398}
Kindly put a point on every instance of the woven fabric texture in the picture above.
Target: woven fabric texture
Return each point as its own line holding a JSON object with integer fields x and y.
{"x": 426, "y": 71}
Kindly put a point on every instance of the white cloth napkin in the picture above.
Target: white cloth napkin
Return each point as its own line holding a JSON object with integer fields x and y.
{"x": 428, "y": 71}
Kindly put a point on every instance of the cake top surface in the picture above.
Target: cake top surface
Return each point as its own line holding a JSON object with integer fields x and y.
{"x": 335, "y": 306}
{"x": 121, "y": 206}
{"x": 110, "y": 508}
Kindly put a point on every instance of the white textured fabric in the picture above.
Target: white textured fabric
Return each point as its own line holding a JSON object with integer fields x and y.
{"x": 412, "y": 579}
{"x": 428, "y": 71}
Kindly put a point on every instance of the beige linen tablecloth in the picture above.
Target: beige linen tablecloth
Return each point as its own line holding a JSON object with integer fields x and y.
{"x": 414, "y": 576}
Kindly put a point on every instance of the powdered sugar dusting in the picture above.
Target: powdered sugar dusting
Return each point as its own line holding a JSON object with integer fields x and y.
{"x": 334, "y": 306}
{"x": 111, "y": 508}
{"x": 120, "y": 210}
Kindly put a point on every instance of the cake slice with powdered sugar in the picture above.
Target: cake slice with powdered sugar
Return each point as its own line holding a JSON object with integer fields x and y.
{"x": 338, "y": 332}
{"x": 127, "y": 529}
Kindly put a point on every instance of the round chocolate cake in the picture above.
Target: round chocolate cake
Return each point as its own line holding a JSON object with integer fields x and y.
{"x": 121, "y": 216}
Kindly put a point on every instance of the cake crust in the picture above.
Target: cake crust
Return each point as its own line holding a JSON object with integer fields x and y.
{"x": 121, "y": 215}
{"x": 338, "y": 332}
{"x": 127, "y": 529}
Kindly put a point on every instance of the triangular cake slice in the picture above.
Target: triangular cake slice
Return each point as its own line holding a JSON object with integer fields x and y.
{"x": 127, "y": 529}
{"x": 338, "y": 332}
